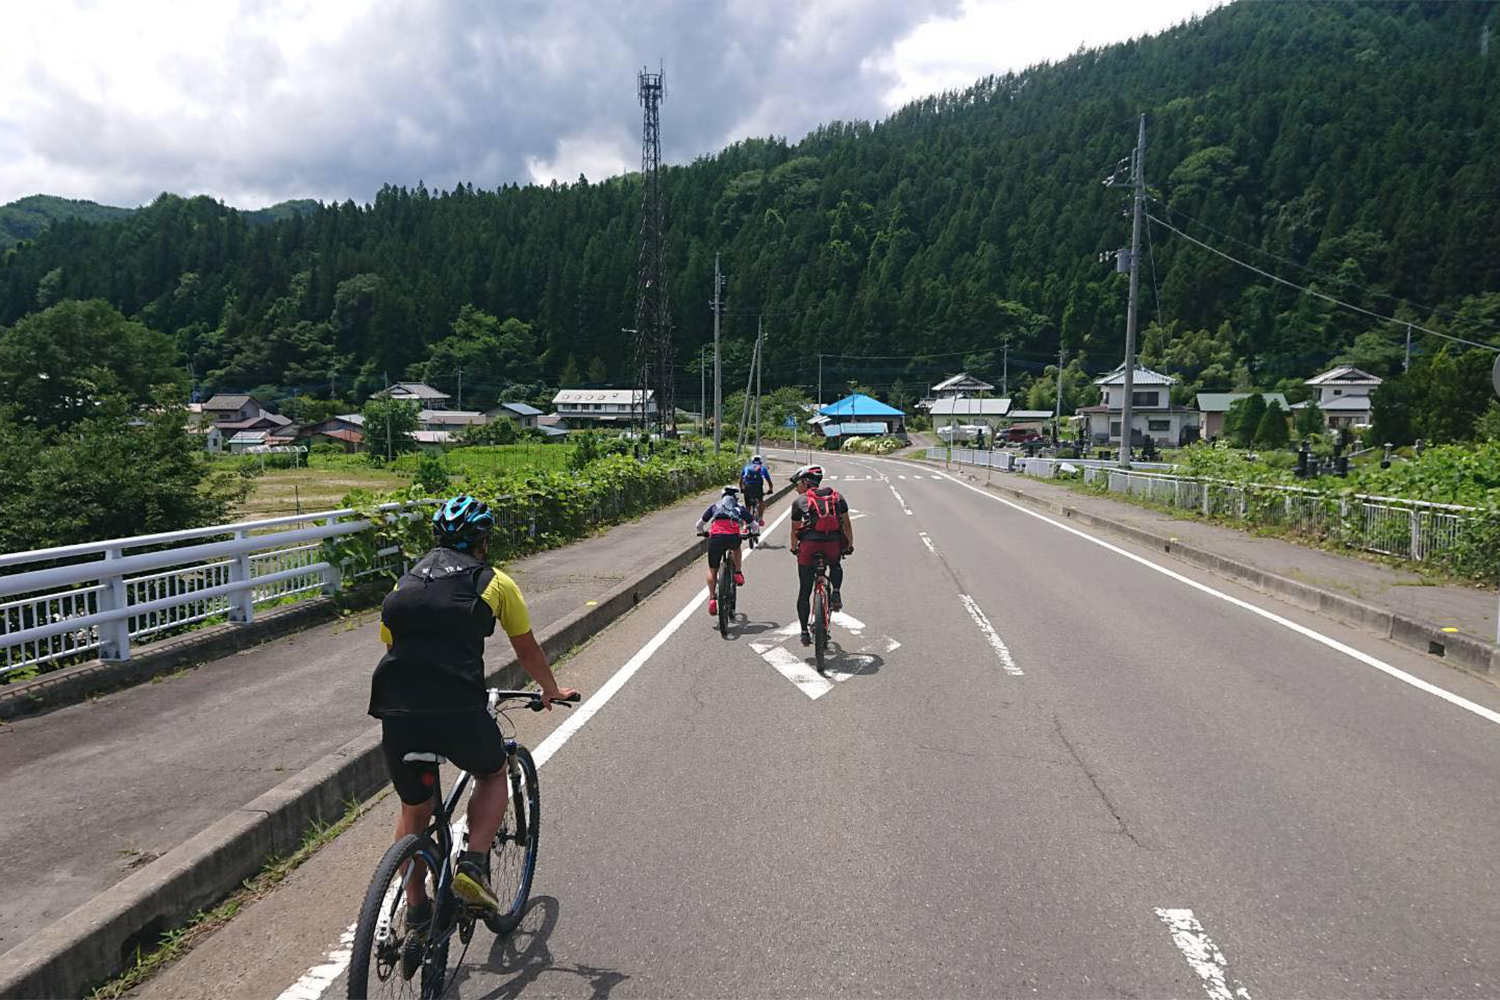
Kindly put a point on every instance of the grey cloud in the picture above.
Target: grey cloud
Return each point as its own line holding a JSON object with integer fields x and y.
{"x": 454, "y": 92}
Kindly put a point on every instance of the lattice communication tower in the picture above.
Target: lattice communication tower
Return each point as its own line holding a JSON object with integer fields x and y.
{"x": 653, "y": 323}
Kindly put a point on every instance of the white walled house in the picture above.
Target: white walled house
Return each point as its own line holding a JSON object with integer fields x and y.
{"x": 602, "y": 407}
{"x": 1344, "y": 395}
{"x": 1152, "y": 415}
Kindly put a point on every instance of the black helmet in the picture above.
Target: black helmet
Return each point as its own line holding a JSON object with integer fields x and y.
{"x": 462, "y": 523}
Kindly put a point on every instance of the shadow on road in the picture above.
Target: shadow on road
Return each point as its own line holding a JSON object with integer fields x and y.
{"x": 838, "y": 660}
{"x": 524, "y": 957}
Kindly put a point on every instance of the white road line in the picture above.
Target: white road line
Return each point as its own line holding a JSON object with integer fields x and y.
{"x": 903, "y": 477}
{"x": 904, "y": 509}
{"x": 991, "y": 636}
{"x": 927, "y": 542}
{"x": 1488, "y": 714}
{"x": 1203, "y": 956}
{"x": 313, "y": 983}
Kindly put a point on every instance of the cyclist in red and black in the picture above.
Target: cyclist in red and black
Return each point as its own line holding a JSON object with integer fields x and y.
{"x": 721, "y": 523}
{"x": 820, "y": 525}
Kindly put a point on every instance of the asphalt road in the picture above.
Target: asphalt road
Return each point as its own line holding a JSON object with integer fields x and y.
{"x": 1039, "y": 767}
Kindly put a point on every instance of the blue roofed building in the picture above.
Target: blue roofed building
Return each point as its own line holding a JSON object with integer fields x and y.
{"x": 859, "y": 415}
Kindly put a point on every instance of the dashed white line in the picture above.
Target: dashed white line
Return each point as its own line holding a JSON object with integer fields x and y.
{"x": 991, "y": 636}
{"x": 904, "y": 509}
{"x": 313, "y": 983}
{"x": 1203, "y": 956}
{"x": 927, "y": 542}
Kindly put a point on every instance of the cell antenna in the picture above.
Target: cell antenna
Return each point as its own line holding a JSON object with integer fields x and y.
{"x": 654, "y": 360}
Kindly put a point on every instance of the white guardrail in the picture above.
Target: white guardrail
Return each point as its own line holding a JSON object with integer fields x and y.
{"x": 100, "y": 596}
{"x": 1417, "y": 530}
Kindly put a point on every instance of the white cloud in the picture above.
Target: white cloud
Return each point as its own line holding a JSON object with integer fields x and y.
{"x": 254, "y": 101}
{"x": 997, "y": 36}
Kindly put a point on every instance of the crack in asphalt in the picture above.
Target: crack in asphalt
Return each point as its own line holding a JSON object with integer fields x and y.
{"x": 1093, "y": 780}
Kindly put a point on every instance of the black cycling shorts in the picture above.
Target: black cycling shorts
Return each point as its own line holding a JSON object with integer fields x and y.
{"x": 754, "y": 491}
{"x": 718, "y": 545}
{"x": 469, "y": 739}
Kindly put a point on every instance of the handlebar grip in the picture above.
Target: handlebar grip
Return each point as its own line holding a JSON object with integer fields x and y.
{"x": 568, "y": 702}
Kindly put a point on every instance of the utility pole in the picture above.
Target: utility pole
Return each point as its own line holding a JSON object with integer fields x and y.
{"x": 1057, "y": 413}
{"x": 702, "y": 394}
{"x": 1406, "y": 365}
{"x": 1138, "y": 187}
{"x": 1005, "y": 371}
{"x": 390, "y": 404}
{"x": 718, "y": 373}
{"x": 739, "y": 441}
{"x": 460, "y": 388}
{"x": 759, "y": 340}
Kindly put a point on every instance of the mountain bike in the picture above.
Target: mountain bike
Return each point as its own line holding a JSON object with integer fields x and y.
{"x": 726, "y": 595}
{"x": 388, "y": 956}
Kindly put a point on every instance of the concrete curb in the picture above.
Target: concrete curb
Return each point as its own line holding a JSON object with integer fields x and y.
{"x": 96, "y": 940}
{"x": 1461, "y": 651}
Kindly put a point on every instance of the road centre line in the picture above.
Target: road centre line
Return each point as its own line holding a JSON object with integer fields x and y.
{"x": 904, "y": 509}
{"x": 313, "y": 983}
{"x": 927, "y": 542}
{"x": 1203, "y": 956}
{"x": 1487, "y": 714}
{"x": 991, "y": 636}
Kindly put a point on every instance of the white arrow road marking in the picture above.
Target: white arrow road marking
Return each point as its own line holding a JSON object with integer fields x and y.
{"x": 797, "y": 670}
{"x": 1202, "y": 954}
{"x": 904, "y": 509}
{"x": 991, "y": 636}
{"x": 855, "y": 515}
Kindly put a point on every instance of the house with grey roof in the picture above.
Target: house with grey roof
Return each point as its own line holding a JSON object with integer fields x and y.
{"x": 420, "y": 393}
{"x": 1152, "y": 413}
{"x": 523, "y": 414}
{"x": 1344, "y": 395}
{"x": 1214, "y": 406}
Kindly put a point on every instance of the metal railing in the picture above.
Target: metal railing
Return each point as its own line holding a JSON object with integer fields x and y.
{"x": 1010, "y": 461}
{"x": 1416, "y": 530}
{"x": 98, "y": 598}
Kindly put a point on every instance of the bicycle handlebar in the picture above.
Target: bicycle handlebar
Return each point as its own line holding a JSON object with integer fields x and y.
{"x": 534, "y": 699}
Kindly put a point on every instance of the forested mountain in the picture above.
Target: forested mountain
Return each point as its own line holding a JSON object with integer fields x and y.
{"x": 24, "y": 218}
{"x": 1351, "y": 147}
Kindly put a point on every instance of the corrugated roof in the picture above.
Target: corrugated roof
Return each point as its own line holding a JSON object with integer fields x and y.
{"x": 1219, "y": 402}
{"x": 420, "y": 390}
{"x": 451, "y": 417}
{"x": 248, "y": 437}
{"x": 226, "y": 401}
{"x": 839, "y": 430}
{"x": 524, "y": 409}
{"x": 969, "y": 407}
{"x": 1030, "y": 414}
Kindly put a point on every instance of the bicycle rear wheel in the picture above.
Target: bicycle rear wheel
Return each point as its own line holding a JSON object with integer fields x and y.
{"x": 726, "y": 595}
{"x": 820, "y": 623}
{"x": 387, "y": 961}
{"x": 513, "y": 854}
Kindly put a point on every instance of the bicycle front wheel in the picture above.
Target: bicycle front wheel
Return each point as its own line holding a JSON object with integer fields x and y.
{"x": 513, "y": 854}
{"x": 389, "y": 959}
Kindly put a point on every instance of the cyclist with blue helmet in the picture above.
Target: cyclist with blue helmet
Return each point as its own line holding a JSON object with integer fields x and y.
{"x": 429, "y": 691}
{"x": 755, "y": 480}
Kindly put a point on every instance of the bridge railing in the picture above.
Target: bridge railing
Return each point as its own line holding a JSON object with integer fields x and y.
{"x": 100, "y": 597}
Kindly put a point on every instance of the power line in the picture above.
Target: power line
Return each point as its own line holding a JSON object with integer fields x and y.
{"x": 1322, "y": 295}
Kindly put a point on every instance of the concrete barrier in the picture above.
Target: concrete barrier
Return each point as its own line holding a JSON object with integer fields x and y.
{"x": 99, "y": 938}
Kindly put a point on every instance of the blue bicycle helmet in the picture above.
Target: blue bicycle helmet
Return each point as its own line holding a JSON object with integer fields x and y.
{"x": 462, "y": 523}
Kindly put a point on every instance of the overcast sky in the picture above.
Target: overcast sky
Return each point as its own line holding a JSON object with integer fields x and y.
{"x": 256, "y": 102}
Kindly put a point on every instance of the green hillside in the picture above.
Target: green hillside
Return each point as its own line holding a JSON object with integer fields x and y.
{"x": 25, "y": 218}
{"x": 1350, "y": 147}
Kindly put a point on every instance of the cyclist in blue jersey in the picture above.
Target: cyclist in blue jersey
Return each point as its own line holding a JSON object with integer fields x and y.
{"x": 755, "y": 480}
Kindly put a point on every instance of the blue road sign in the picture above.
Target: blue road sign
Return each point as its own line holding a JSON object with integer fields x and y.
{"x": 791, "y": 422}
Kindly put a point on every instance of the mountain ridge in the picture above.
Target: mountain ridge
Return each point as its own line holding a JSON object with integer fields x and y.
{"x": 25, "y": 218}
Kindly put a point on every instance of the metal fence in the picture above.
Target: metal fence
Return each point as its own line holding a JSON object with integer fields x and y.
{"x": 96, "y": 599}
{"x": 99, "y": 598}
{"x": 1407, "y": 529}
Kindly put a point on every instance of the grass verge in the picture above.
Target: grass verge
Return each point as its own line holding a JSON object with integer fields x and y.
{"x": 176, "y": 943}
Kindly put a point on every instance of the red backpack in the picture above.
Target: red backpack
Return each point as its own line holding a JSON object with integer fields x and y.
{"x": 823, "y": 512}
